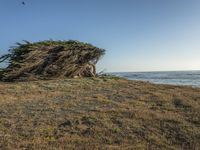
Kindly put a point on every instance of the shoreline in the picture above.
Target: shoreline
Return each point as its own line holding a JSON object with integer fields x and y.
{"x": 190, "y": 86}
{"x": 185, "y": 78}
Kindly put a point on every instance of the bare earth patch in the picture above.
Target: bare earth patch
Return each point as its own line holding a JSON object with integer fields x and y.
{"x": 98, "y": 113}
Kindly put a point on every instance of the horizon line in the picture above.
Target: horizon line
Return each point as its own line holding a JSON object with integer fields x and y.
{"x": 154, "y": 71}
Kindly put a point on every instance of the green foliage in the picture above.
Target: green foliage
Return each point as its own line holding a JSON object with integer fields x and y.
{"x": 16, "y": 53}
{"x": 51, "y": 57}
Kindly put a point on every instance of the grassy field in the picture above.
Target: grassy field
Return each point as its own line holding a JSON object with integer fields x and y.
{"x": 98, "y": 113}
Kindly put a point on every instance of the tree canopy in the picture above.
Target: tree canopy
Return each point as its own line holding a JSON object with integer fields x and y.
{"x": 49, "y": 59}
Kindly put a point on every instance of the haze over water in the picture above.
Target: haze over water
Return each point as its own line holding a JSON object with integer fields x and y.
{"x": 191, "y": 78}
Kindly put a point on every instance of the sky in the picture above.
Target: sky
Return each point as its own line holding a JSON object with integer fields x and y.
{"x": 138, "y": 35}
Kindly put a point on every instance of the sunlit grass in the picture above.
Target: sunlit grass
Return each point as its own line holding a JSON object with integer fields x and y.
{"x": 104, "y": 113}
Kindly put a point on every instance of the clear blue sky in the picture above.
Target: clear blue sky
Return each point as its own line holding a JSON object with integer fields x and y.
{"x": 139, "y": 35}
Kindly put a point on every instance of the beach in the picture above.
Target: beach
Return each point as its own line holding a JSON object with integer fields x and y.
{"x": 98, "y": 113}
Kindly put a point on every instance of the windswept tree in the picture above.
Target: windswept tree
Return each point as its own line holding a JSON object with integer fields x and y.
{"x": 50, "y": 59}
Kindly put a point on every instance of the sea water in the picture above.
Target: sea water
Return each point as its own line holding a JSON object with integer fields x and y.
{"x": 190, "y": 78}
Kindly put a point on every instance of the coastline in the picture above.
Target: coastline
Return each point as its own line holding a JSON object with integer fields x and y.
{"x": 107, "y": 112}
{"x": 185, "y": 78}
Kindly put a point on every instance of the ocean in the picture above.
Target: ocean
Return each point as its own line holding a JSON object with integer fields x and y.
{"x": 190, "y": 78}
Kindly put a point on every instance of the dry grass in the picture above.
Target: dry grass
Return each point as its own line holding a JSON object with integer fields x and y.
{"x": 98, "y": 113}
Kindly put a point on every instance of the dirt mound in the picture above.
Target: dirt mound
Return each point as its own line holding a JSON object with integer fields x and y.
{"x": 50, "y": 59}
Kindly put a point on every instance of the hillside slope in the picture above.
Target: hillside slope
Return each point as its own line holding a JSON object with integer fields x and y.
{"x": 105, "y": 113}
